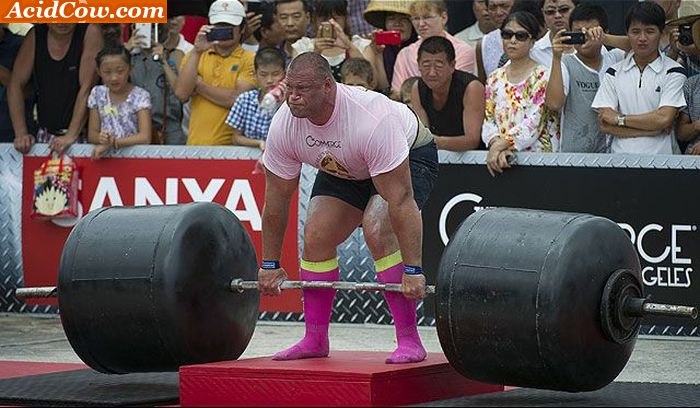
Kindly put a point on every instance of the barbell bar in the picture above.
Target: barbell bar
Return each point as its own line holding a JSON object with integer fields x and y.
{"x": 528, "y": 298}
{"x": 238, "y": 285}
{"x": 637, "y": 307}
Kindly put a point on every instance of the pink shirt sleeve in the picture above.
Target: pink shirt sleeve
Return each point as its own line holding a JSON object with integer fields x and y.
{"x": 387, "y": 148}
{"x": 279, "y": 156}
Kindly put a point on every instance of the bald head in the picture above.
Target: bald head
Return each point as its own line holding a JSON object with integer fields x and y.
{"x": 311, "y": 62}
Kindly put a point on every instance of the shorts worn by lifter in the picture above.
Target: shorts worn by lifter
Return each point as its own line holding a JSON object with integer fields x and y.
{"x": 423, "y": 162}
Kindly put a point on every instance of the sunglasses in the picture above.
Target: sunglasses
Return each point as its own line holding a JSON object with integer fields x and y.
{"x": 553, "y": 11}
{"x": 520, "y": 35}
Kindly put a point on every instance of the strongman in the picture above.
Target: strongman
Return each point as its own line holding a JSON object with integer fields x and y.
{"x": 377, "y": 165}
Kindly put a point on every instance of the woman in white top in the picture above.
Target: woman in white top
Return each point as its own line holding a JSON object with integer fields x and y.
{"x": 333, "y": 38}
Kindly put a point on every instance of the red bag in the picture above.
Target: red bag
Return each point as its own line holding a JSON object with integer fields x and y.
{"x": 56, "y": 189}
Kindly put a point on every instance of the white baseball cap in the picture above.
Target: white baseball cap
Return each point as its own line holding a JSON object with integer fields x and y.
{"x": 226, "y": 11}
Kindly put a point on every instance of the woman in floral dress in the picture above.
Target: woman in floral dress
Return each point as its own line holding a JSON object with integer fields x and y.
{"x": 516, "y": 118}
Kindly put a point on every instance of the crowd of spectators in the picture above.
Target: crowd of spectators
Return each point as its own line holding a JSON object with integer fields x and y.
{"x": 525, "y": 75}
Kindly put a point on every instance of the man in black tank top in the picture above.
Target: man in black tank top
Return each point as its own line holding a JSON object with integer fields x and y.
{"x": 448, "y": 101}
{"x": 59, "y": 59}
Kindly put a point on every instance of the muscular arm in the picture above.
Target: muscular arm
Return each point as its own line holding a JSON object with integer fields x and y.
{"x": 278, "y": 195}
{"x": 395, "y": 187}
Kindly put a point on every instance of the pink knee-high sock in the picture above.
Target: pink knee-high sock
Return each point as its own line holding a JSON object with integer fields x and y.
{"x": 403, "y": 310}
{"x": 318, "y": 304}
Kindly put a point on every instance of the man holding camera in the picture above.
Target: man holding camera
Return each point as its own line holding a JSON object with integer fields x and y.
{"x": 575, "y": 78}
{"x": 214, "y": 73}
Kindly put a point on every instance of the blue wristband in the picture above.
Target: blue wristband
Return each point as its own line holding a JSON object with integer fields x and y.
{"x": 270, "y": 264}
{"x": 412, "y": 270}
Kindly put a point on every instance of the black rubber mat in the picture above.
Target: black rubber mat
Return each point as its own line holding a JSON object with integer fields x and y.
{"x": 616, "y": 394}
{"x": 88, "y": 387}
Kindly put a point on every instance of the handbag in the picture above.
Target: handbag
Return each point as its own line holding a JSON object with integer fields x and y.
{"x": 56, "y": 184}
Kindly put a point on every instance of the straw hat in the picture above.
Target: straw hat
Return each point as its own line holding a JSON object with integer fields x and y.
{"x": 376, "y": 11}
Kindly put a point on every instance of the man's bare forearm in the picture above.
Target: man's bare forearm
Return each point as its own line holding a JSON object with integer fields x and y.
{"x": 625, "y": 132}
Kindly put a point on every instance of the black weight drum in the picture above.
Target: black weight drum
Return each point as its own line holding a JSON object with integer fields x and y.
{"x": 146, "y": 289}
{"x": 519, "y": 298}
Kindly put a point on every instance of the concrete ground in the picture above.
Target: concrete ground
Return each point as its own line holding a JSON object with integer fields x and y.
{"x": 656, "y": 359}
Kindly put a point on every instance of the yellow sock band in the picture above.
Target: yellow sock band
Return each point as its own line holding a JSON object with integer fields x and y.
{"x": 321, "y": 266}
{"x": 380, "y": 265}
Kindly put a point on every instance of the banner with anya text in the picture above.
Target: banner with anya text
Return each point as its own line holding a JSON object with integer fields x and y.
{"x": 138, "y": 182}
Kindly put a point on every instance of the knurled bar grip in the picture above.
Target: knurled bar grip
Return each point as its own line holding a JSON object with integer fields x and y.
{"x": 238, "y": 285}
{"x": 37, "y": 292}
{"x": 670, "y": 310}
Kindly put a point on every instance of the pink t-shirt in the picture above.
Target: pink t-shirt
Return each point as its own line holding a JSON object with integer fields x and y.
{"x": 407, "y": 60}
{"x": 367, "y": 134}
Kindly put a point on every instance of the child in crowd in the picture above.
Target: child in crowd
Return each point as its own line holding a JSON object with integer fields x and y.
{"x": 120, "y": 113}
{"x": 406, "y": 88}
{"x": 357, "y": 72}
{"x": 250, "y": 122}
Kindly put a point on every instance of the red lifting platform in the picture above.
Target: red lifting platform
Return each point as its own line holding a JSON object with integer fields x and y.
{"x": 346, "y": 378}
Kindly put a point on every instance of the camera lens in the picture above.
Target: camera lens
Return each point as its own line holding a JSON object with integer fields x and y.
{"x": 685, "y": 35}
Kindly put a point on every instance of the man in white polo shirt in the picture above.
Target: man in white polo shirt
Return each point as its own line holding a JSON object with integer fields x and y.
{"x": 640, "y": 96}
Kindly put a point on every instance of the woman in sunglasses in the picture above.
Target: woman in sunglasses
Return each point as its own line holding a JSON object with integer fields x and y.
{"x": 516, "y": 118}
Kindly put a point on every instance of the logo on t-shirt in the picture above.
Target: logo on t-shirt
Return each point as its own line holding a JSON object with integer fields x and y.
{"x": 313, "y": 142}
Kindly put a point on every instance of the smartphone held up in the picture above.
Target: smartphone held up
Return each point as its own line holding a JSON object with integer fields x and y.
{"x": 390, "y": 37}
{"x": 144, "y": 30}
{"x": 326, "y": 30}
{"x": 220, "y": 34}
{"x": 575, "y": 38}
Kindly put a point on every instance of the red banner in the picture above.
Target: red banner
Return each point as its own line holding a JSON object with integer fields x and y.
{"x": 129, "y": 182}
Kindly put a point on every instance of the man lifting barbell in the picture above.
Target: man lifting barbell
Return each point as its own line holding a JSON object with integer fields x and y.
{"x": 377, "y": 165}
{"x": 529, "y": 298}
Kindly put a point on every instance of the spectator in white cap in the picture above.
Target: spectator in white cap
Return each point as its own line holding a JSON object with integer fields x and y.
{"x": 214, "y": 73}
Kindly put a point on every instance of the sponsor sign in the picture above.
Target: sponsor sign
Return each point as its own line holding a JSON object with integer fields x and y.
{"x": 138, "y": 182}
